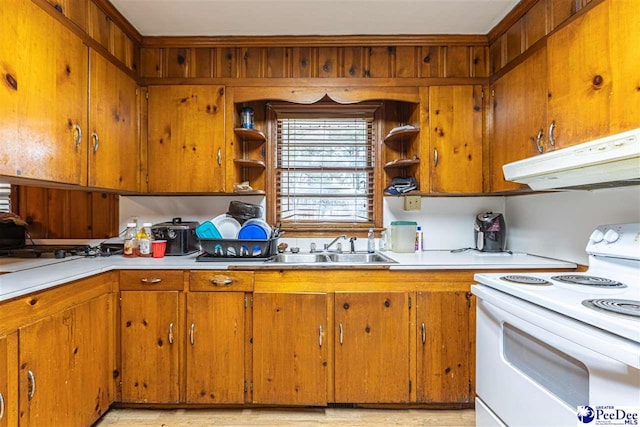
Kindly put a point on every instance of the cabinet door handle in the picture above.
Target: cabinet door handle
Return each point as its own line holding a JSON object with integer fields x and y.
{"x": 150, "y": 280}
{"x": 96, "y": 141}
{"x": 341, "y": 333}
{"x": 192, "y": 337}
{"x": 221, "y": 281}
{"x": 435, "y": 157}
{"x": 1, "y": 406}
{"x": 320, "y": 335}
{"x": 77, "y": 130}
{"x": 219, "y": 157}
{"x": 539, "y": 141}
{"x": 552, "y": 137}
{"x": 424, "y": 333}
{"x": 32, "y": 384}
{"x": 171, "y": 333}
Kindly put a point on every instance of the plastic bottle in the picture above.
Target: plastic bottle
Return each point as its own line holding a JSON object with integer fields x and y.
{"x": 129, "y": 250}
{"x": 382, "y": 245}
{"x": 371, "y": 242}
{"x": 419, "y": 245}
{"x": 144, "y": 240}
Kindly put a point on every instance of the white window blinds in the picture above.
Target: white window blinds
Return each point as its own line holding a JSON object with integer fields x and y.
{"x": 325, "y": 170}
{"x": 5, "y": 197}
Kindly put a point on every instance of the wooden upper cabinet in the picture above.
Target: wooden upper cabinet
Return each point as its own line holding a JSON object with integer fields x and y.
{"x": 444, "y": 347}
{"x": 151, "y": 336}
{"x": 519, "y": 117}
{"x": 75, "y": 10}
{"x": 290, "y": 349}
{"x": 43, "y": 96}
{"x": 372, "y": 347}
{"x": 186, "y": 138}
{"x": 580, "y": 77}
{"x": 624, "y": 38}
{"x": 114, "y": 149}
{"x": 215, "y": 347}
{"x": 455, "y": 116}
{"x": 66, "y": 366}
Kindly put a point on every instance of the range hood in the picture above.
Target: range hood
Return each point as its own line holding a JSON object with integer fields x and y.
{"x": 611, "y": 161}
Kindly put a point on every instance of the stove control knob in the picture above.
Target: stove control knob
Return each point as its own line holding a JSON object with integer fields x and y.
{"x": 596, "y": 236}
{"x": 611, "y": 236}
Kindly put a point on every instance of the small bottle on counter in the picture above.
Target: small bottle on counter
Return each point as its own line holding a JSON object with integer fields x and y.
{"x": 371, "y": 242}
{"x": 130, "y": 246}
{"x": 144, "y": 240}
{"x": 382, "y": 244}
{"x": 419, "y": 243}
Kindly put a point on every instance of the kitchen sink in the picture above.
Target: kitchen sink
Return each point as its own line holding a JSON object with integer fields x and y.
{"x": 333, "y": 258}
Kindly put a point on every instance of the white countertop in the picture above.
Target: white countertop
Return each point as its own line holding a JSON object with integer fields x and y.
{"x": 25, "y": 276}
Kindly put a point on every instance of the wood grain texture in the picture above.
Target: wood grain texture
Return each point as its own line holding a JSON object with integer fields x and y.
{"x": 216, "y": 281}
{"x": 72, "y": 378}
{"x": 444, "y": 352}
{"x": 455, "y": 114}
{"x": 114, "y": 162}
{"x": 9, "y": 379}
{"x": 152, "y": 339}
{"x": 294, "y": 371}
{"x": 152, "y": 280}
{"x": 215, "y": 347}
{"x": 186, "y": 138}
{"x": 75, "y": 10}
{"x": 372, "y": 347}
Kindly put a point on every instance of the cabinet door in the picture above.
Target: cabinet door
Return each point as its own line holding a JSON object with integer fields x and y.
{"x": 215, "y": 347}
{"x": 114, "y": 159}
{"x": 150, "y": 334}
{"x": 43, "y": 96}
{"x": 580, "y": 80}
{"x": 289, "y": 350}
{"x": 624, "y": 22}
{"x": 76, "y": 10}
{"x": 186, "y": 138}
{"x": 8, "y": 380}
{"x": 444, "y": 347}
{"x": 519, "y": 116}
{"x": 372, "y": 348}
{"x": 66, "y": 366}
{"x": 455, "y": 114}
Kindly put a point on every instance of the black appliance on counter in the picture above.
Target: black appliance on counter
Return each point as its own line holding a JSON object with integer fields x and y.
{"x": 180, "y": 236}
{"x": 490, "y": 232}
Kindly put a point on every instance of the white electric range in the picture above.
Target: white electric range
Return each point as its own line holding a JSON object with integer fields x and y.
{"x": 550, "y": 345}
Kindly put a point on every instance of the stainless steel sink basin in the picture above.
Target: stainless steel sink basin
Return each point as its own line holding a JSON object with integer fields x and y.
{"x": 333, "y": 258}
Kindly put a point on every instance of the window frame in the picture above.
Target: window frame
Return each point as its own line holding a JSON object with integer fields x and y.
{"x": 319, "y": 110}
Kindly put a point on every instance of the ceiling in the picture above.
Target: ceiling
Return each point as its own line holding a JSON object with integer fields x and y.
{"x": 312, "y": 17}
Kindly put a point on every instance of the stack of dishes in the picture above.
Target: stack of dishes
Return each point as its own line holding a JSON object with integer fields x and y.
{"x": 227, "y": 227}
{"x": 254, "y": 229}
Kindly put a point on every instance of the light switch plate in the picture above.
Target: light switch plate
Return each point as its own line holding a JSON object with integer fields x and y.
{"x": 412, "y": 203}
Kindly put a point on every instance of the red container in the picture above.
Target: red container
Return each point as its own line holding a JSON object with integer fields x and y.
{"x": 158, "y": 248}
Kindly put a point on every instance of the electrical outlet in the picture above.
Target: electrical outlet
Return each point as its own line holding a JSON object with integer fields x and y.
{"x": 412, "y": 203}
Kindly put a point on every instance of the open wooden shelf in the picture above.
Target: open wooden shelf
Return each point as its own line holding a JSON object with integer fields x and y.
{"x": 401, "y": 163}
{"x": 401, "y": 134}
{"x": 250, "y": 134}
{"x": 248, "y": 163}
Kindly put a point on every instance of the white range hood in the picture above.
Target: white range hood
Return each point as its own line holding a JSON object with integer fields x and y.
{"x": 606, "y": 162}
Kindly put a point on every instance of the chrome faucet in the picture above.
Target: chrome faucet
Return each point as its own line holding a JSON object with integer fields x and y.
{"x": 353, "y": 246}
{"x": 342, "y": 236}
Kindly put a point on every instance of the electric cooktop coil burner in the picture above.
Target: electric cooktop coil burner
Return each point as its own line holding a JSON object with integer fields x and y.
{"x": 599, "y": 282}
{"x": 526, "y": 280}
{"x": 619, "y": 306}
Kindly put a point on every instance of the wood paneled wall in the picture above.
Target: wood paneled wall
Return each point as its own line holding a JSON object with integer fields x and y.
{"x": 67, "y": 214}
{"x": 313, "y": 62}
{"x": 527, "y": 24}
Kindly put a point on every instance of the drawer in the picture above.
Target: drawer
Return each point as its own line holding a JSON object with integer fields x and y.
{"x": 153, "y": 280}
{"x": 221, "y": 280}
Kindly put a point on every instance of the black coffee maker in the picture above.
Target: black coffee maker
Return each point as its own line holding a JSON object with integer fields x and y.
{"x": 490, "y": 232}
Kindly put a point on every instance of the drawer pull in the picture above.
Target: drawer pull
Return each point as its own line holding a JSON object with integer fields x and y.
{"x": 150, "y": 280}
{"x": 320, "y": 335}
{"x": 424, "y": 333}
{"x": 341, "y": 333}
{"x": 32, "y": 384}
{"x": 539, "y": 141}
{"x": 96, "y": 141}
{"x": 552, "y": 137}
{"x": 192, "y": 337}
{"x": 77, "y": 130}
{"x": 171, "y": 333}
{"x": 221, "y": 281}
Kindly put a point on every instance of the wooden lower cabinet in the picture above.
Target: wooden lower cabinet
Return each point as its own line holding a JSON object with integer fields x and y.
{"x": 66, "y": 366}
{"x": 372, "y": 347}
{"x": 444, "y": 338}
{"x": 215, "y": 347}
{"x": 290, "y": 348}
{"x": 8, "y": 380}
{"x": 151, "y": 336}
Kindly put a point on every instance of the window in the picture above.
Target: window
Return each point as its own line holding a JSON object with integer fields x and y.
{"x": 325, "y": 167}
{"x": 5, "y": 197}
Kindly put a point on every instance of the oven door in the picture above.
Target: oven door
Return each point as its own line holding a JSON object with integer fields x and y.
{"x": 532, "y": 369}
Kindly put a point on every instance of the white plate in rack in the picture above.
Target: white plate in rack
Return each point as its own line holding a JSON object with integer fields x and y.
{"x": 227, "y": 225}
